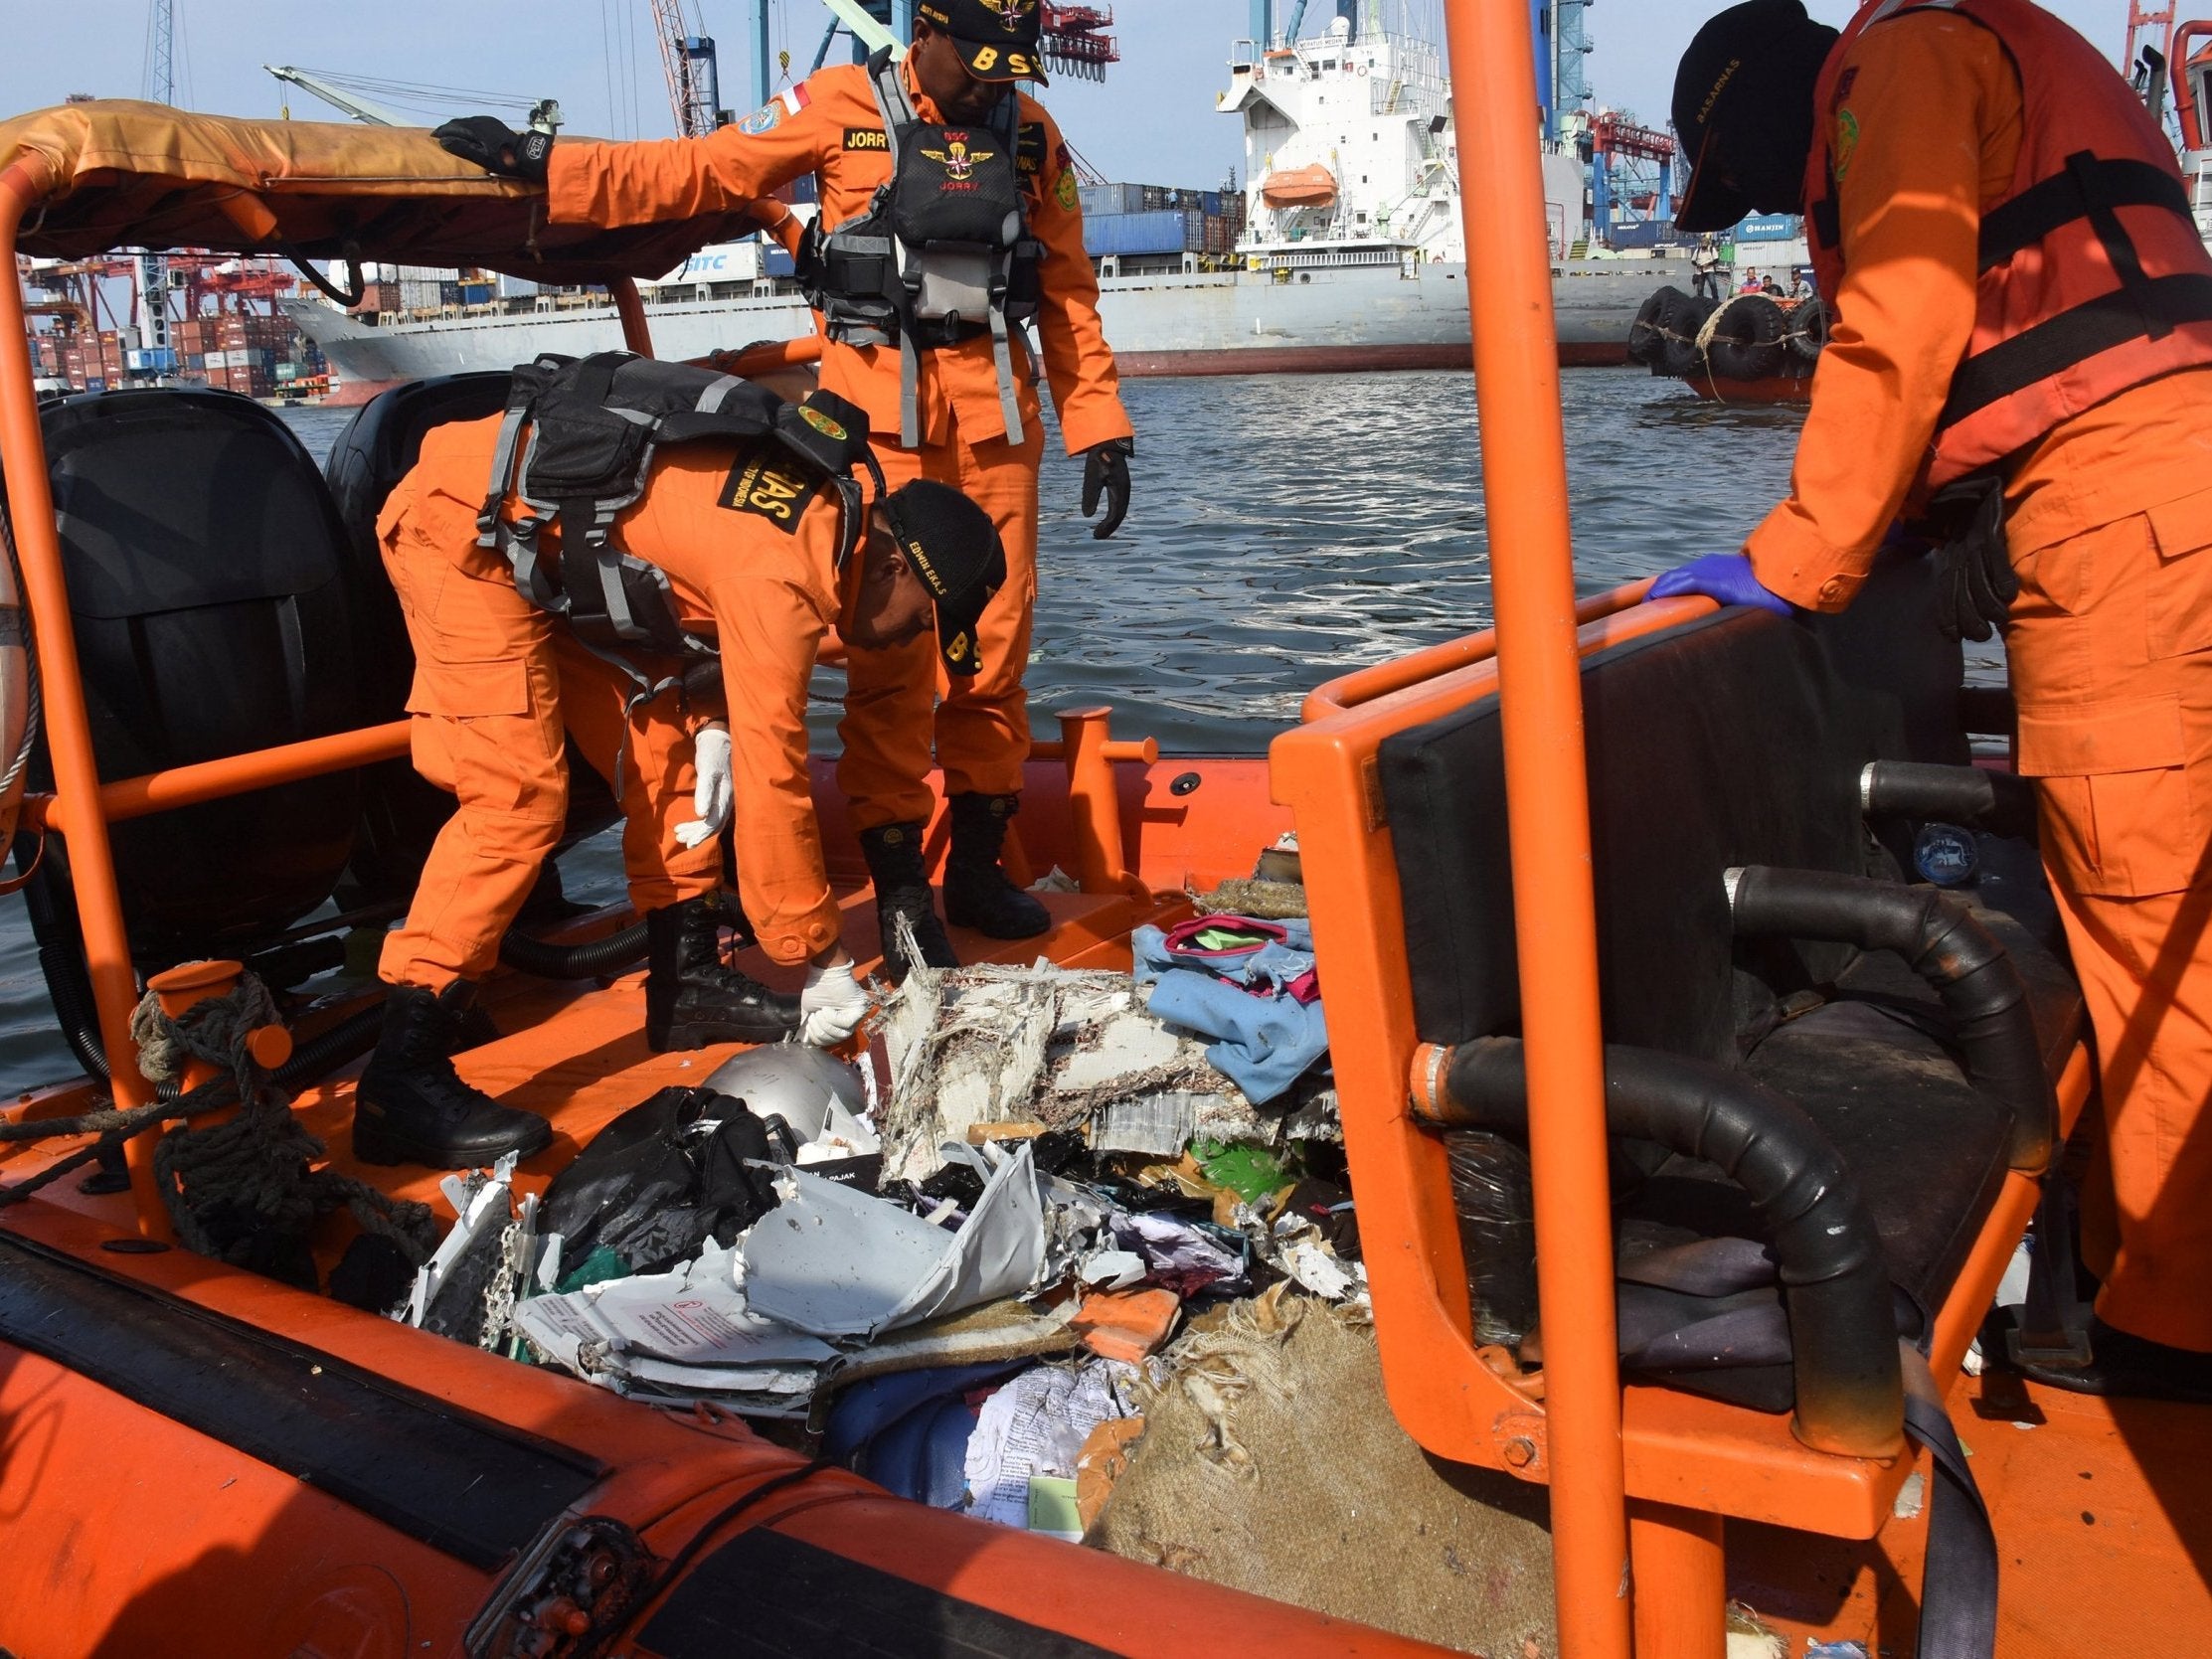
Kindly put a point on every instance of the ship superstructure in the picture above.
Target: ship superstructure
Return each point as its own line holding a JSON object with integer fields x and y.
{"x": 1351, "y": 253}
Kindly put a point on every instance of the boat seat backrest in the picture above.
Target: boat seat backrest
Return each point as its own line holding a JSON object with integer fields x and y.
{"x": 379, "y": 445}
{"x": 1734, "y": 740}
{"x": 213, "y": 604}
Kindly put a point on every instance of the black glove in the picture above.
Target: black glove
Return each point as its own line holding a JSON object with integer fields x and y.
{"x": 1976, "y": 584}
{"x": 1106, "y": 470}
{"x": 496, "y": 147}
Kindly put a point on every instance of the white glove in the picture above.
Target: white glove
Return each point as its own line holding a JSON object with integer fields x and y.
{"x": 712, "y": 794}
{"x": 831, "y": 1006}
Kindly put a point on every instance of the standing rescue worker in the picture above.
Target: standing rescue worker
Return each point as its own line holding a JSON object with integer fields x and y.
{"x": 750, "y": 551}
{"x": 950, "y": 214}
{"x": 2020, "y": 304}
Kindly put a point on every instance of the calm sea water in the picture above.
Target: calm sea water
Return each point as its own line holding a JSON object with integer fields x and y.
{"x": 1284, "y": 528}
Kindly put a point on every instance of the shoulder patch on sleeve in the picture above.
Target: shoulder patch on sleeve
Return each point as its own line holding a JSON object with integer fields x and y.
{"x": 1029, "y": 147}
{"x": 763, "y": 118}
{"x": 1066, "y": 192}
{"x": 769, "y": 484}
{"x": 1846, "y": 140}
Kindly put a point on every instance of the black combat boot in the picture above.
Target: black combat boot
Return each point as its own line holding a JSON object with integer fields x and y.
{"x": 894, "y": 855}
{"x": 412, "y": 1107}
{"x": 692, "y": 999}
{"x": 977, "y": 893}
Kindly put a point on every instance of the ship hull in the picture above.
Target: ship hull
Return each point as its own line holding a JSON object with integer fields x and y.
{"x": 1324, "y": 320}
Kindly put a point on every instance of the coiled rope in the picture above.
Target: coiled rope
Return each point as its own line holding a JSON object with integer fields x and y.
{"x": 231, "y": 1186}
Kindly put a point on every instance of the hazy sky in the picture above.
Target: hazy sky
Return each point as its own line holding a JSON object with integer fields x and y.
{"x": 1153, "y": 120}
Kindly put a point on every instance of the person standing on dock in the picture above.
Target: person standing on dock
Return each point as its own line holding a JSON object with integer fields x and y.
{"x": 950, "y": 215}
{"x": 1705, "y": 260}
{"x": 2022, "y": 304}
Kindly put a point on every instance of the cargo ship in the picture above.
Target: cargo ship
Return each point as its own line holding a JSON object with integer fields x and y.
{"x": 1342, "y": 250}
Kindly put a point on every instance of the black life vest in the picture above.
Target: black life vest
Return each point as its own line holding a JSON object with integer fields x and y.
{"x": 576, "y": 447}
{"x": 941, "y": 254}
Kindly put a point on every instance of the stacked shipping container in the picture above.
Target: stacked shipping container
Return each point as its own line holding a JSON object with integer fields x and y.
{"x": 236, "y": 351}
{"x": 1128, "y": 220}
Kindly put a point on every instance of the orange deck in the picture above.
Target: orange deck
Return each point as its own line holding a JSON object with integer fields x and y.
{"x": 2104, "y": 1522}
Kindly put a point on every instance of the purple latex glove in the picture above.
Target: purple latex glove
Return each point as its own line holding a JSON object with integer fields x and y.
{"x": 1725, "y": 576}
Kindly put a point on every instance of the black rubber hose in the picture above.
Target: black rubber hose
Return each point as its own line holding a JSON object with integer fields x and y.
{"x": 80, "y": 1026}
{"x": 573, "y": 961}
{"x": 1940, "y": 941}
{"x": 1975, "y": 797}
{"x": 348, "y": 1039}
{"x": 1850, "y": 1391}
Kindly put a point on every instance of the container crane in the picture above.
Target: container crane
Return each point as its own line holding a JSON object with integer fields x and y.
{"x": 366, "y": 110}
{"x": 1618, "y": 143}
{"x": 152, "y": 309}
{"x": 687, "y": 58}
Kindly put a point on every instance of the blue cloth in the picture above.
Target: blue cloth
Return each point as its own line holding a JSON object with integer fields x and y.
{"x": 1260, "y": 1044}
{"x": 1274, "y": 964}
{"x": 1725, "y": 576}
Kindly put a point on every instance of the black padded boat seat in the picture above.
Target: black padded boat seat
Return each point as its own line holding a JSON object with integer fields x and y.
{"x": 1738, "y": 739}
{"x": 1735, "y": 739}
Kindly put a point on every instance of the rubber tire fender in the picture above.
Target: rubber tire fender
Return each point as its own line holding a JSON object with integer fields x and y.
{"x": 1746, "y": 341}
{"x": 1644, "y": 338}
{"x": 1808, "y": 331}
{"x": 1684, "y": 322}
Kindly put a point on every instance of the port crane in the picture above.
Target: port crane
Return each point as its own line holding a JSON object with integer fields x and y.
{"x": 1623, "y": 154}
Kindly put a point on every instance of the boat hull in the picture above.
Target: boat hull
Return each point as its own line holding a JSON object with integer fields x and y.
{"x": 1322, "y": 320}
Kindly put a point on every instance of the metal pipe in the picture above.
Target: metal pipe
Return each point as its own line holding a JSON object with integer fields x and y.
{"x": 1682, "y": 1582}
{"x": 631, "y": 309}
{"x": 1524, "y": 489}
{"x": 67, "y": 727}
{"x": 232, "y": 774}
{"x": 1364, "y": 685}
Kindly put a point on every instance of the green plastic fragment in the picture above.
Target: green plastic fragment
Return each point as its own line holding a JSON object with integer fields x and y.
{"x": 597, "y": 1267}
{"x": 1251, "y": 1172}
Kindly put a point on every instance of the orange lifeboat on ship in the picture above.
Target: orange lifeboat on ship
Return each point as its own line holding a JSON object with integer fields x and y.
{"x": 1311, "y": 186}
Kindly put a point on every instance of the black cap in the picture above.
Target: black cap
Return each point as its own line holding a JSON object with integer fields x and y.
{"x": 954, "y": 548}
{"x": 998, "y": 39}
{"x": 1743, "y": 105}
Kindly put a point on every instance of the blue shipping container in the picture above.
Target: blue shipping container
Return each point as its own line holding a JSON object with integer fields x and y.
{"x": 1162, "y": 231}
{"x": 1770, "y": 227}
{"x": 1113, "y": 198}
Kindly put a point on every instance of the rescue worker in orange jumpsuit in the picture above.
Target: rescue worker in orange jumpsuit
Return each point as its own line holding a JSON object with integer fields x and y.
{"x": 947, "y": 399}
{"x": 750, "y": 550}
{"x": 2020, "y": 296}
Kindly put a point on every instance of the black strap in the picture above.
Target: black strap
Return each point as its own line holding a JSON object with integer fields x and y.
{"x": 1958, "y": 1584}
{"x": 2159, "y": 303}
{"x": 2086, "y": 184}
{"x": 2118, "y": 246}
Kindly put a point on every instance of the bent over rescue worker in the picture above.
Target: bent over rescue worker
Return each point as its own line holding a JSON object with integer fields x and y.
{"x": 750, "y": 550}
{"x": 2022, "y": 303}
{"x": 922, "y": 282}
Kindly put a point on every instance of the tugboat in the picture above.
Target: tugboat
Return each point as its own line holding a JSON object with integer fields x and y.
{"x": 1749, "y": 348}
{"x": 1681, "y": 1194}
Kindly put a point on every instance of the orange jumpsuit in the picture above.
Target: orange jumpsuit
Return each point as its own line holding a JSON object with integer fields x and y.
{"x": 2108, "y": 527}
{"x": 496, "y": 679}
{"x": 825, "y": 127}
